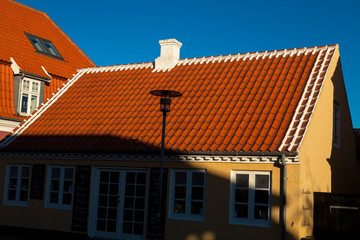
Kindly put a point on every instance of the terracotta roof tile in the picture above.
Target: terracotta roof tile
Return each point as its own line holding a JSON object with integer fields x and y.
{"x": 248, "y": 102}
{"x": 16, "y": 20}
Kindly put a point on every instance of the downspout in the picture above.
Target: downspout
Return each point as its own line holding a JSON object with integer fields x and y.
{"x": 283, "y": 189}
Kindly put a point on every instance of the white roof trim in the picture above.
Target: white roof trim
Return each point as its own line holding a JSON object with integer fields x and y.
{"x": 39, "y": 112}
{"x": 307, "y": 106}
{"x": 147, "y": 157}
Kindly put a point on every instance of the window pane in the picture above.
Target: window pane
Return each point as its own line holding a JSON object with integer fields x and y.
{"x": 111, "y": 226}
{"x": 101, "y": 224}
{"x": 104, "y": 188}
{"x": 12, "y": 183}
{"x": 141, "y": 178}
{"x": 55, "y": 173}
{"x": 104, "y": 177}
{"x": 69, "y": 173}
{"x": 180, "y": 192}
{"x": 24, "y": 184}
{"x": 127, "y": 227}
{"x": 197, "y": 178}
{"x": 242, "y": 180}
{"x": 261, "y": 196}
{"x": 101, "y": 212}
{"x": 51, "y": 48}
{"x": 128, "y": 215}
{"x": 179, "y": 206}
{"x": 138, "y": 228}
{"x": 35, "y": 87}
{"x": 197, "y": 208}
{"x": 26, "y": 85}
{"x": 114, "y": 189}
{"x": 140, "y": 191}
{"x": 261, "y": 212}
{"x": 180, "y": 178}
{"x": 11, "y": 195}
{"x": 24, "y": 102}
{"x": 25, "y": 173}
{"x": 114, "y": 177}
{"x": 37, "y": 44}
{"x": 262, "y": 181}
{"x": 130, "y": 177}
{"x": 139, "y": 203}
{"x": 241, "y": 195}
{"x": 241, "y": 211}
{"x": 13, "y": 171}
{"x": 197, "y": 193}
{"x": 130, "y": 190}
{"x": 68, "y": 186}
{"x": 54, "y": 197}
{"x": 55, "y": 185}
{"x": 112, "y": 213}
{"x": 23, "y": 196}
{"x": 34, "y": 103}
{"x": 139, "y": 216}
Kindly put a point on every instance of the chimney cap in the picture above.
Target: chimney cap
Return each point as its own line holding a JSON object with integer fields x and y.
{"x": 170, "y": 41}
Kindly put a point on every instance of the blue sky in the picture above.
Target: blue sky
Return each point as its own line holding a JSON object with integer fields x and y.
{"x": 114, "y": 32}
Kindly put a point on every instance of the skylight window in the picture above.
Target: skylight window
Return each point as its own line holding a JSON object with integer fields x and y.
{"x": 44, "y": 46}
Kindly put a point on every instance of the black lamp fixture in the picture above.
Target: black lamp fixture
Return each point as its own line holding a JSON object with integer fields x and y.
{"x": 165, "y": 102}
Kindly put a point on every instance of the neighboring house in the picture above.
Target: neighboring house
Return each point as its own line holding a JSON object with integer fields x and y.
{"x": 357, "y": 136}
{"x": 249, "y": 131}
{"x": 36, "y": 59}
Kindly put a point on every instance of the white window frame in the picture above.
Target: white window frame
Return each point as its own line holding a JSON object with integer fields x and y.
{"x": 18, "y": 188}
{"x": 187, "y": 215}
{"x": 30, "y": 92}
{"x": 250, "y": 220}
{"x": 61, "y": 192}
{"x": 336, "y": 125}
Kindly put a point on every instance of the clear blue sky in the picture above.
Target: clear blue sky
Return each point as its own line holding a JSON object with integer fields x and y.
{"x": 114, "y": 32}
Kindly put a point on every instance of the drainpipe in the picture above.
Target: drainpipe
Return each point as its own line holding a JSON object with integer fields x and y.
{"x": 283, "y": 183}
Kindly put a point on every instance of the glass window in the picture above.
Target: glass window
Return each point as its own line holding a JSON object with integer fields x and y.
{"x": 44, "y": 46}
{"x": 250, "y": 198}
{"x": 60, "y": 187}
{"x": 30, "y": 94}
{"x": 187, "y": 194}
{"x": 17, "y": 185}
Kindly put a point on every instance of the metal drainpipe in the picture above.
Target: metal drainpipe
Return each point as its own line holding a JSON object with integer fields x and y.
{"x": 284, "y": 182}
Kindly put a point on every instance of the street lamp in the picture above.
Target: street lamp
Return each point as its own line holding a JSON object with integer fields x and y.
{"x": 165, "y": 102}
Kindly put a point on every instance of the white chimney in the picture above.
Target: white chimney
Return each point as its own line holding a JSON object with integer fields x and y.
{"x": 169, "y": 54}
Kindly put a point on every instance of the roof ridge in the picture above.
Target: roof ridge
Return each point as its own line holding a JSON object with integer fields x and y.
{"x": 256, "y": 55}
{"x": 24, "y": 5}
{"x": 119, "y": 67}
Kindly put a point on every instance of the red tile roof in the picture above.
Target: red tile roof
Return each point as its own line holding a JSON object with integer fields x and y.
{"x": 246, "y": 102}
{"x": 16, "y": 20}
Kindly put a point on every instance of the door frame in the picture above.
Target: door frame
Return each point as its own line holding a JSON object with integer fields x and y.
{"x": 95, "y": 178}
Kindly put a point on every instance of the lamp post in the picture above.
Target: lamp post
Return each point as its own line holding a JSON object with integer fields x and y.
{"x": 165, "y": 102}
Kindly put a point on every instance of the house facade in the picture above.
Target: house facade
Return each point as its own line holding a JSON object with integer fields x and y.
{"x": 251, "y": 141}
{"x": 36, "y": 59}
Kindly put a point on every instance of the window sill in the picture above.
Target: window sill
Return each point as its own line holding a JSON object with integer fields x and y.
{"x": 16, "y": 204}
{"x": 250, "y": 224}
{"x": 59, "y": 207}
{"x": 187, "y": 218}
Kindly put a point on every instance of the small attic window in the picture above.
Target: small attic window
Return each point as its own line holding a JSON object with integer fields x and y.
{"x": 44, "y": 46}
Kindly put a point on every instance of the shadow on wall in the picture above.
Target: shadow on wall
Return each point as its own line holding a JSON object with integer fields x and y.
{"x": 214, "y": 226}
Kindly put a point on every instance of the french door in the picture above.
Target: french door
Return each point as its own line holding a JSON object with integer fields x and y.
{"x": 120, "y": 202}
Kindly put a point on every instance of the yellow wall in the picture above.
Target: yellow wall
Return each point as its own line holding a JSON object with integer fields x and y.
{"x": 216, "y": 223}
{"x": 323, "y": 167}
